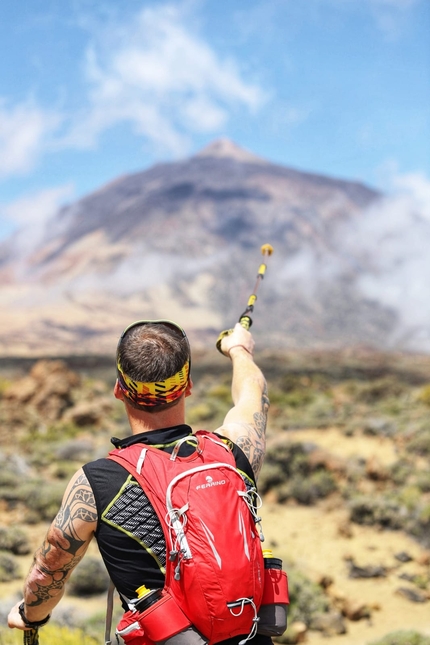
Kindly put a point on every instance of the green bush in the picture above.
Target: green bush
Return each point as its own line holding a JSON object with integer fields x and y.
{"x": 307, "y": 599}
{"x": 374, "y": 391}
{"x": 201, "y": 412}
{"x": 424, "y": 395}
{"x": 8, "y": 567}
{"x": 51, "y": 634}
{"x": 420, "y": 443}
{"x": 419, "y": 525}
{"x": 308, "y": 489}
{"x": 7, "y": 477}
{"x": 403, "y": 638}
{"x": 423, "y": 481}
{"x": 271, "y": 476}
{"x": 42, "y": 498}
{"x": 289, "y": 468}
{"x": 401, "y": 471}
{"x": 13, "y": 539}
{"x": 381, "y": 511}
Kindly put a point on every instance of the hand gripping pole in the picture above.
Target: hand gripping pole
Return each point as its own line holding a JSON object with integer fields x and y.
{"x": 245, "y": 319}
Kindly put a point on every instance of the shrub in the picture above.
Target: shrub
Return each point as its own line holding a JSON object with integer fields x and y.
{"x": 271, "y": 475}
{"x": 204, "y": 411}
{"x": 90, "y": 578}
{"x": 222, "y": 392}
{"x": 14, "y": 540}
{"x": 307, "y": 599}
{"x": 291, "y": 456}
{"x": 424, "y": 395}
{"x": 289, "y": 469}
{"x": 8, "y": 567}
{"x": 378, "y": 426}
{"x": 419, "y": 525}
{"x": 410, "y": 496}
{"x": 403, "y": 638}
{"x": 42, "y": 498}
{"x": 420, "y": 442}
{"x": 374, "y": 391}
{"x": 7, "y": 477}
{"x": 423, "y": 481}
{"x": 401, "y": 470}
{"x": 52, "y": 635}
{"x": 307, "y": 490}
{"x": 45, "y": 499}
{"x": 377, "y": 510}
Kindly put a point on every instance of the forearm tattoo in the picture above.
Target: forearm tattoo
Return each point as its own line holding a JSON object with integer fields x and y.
{"x": 59, "y": 554}
{"x": 253, "y": 441}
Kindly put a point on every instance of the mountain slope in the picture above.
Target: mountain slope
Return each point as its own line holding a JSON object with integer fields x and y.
{"x": 182, "y": 240}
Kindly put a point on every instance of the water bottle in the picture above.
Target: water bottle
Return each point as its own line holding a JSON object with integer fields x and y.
{"x": 162, "y": 620}
{"x": 274, "y": 605}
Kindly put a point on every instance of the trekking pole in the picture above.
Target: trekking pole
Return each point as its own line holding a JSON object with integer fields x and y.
{"x": 245, "y": 319}
{"x": 31, "y": 636}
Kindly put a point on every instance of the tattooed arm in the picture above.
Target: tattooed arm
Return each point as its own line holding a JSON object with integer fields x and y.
{"x": 245, "y": 423}
{"x": 64, "y": 546}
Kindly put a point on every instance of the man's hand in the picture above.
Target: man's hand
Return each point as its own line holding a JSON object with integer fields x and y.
{"x": 240, "y": 337}
{"x": 245, "y": 423}
{"x": 14, "y": 619}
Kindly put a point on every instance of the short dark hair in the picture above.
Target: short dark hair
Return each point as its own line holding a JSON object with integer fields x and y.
{"x": 152, "y": 351}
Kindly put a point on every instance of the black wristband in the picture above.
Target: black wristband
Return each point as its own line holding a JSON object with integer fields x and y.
{"x": 36, "y": 623}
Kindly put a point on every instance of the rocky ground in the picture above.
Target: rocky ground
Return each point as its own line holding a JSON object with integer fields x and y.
{"x": 346, "y": 481}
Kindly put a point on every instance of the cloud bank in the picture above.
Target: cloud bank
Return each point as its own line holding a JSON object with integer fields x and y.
{"x": 24, "y": 133}
{"x": 162, "y": 79}
{"x": 153, "y": 73}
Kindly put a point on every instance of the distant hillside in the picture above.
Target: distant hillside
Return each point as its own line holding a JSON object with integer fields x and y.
{"x": 182, "y": 240}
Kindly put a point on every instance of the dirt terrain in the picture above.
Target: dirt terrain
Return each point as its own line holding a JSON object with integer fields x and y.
{"x": 313, "y": 538}
{"x": 318, "y": 539}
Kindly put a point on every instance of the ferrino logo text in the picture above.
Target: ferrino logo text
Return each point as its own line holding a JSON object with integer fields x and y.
{"x": 210, "y": 482}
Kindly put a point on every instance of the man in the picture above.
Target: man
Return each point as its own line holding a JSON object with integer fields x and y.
{"x": 153, "y": 361}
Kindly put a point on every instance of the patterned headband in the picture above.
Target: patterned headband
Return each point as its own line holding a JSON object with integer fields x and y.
{"x": 155, "y": 393}
{"x": 159, "y": 392}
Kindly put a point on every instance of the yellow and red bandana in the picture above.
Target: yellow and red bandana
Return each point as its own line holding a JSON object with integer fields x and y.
{"x": 159, "y": 392}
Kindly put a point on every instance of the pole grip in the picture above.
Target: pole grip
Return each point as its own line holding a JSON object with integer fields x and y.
{"x": 245, "y": 321}
{"x": 222, "y": 335}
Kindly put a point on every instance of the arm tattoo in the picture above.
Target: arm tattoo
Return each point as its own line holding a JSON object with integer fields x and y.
{"x": 253, "y": 449}
{"x": 253, "y": 441}
{"x": 58, "y": 555}
{"x": 79, "y": 505}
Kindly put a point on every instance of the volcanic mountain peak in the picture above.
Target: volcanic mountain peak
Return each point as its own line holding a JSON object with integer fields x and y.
{"x": 224, "y": 147}
{"x": 181, "y": 240}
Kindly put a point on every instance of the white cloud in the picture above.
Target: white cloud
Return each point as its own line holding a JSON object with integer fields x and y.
{"x": 156, "y": 74}
{"x": 395, "y": 235}
{"x": 37, "y": 207}
{"x": 24, "y": 130}
{"x": 32, "y": 212}
{"x": 417, "y": 187}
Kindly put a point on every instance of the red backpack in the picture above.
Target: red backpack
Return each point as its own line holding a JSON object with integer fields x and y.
{"x": 215, "y": 568}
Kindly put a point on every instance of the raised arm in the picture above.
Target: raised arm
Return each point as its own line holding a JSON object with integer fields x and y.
{"x": 64, "y": 546}
{"x": 245, "y": 423}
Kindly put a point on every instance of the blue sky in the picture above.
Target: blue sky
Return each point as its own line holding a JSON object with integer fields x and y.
{"x": 93, "y": 89}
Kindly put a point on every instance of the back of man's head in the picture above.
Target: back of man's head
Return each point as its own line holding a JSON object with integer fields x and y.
{"x": 153, "y": 360}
